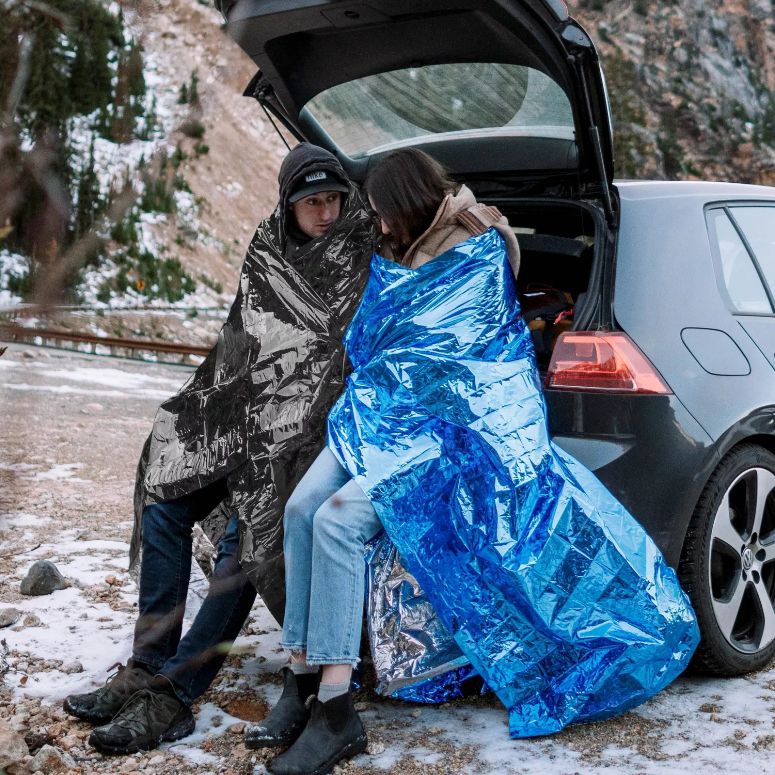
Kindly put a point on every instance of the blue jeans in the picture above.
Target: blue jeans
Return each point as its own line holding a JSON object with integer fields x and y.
{"x": 190, "y": 664}
{"x": 328, "y": 520}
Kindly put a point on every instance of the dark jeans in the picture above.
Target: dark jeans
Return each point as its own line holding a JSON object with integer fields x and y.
{"x": 189, "y": 663}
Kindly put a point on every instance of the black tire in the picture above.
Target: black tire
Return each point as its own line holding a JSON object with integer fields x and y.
{"x": 727, "y": 564}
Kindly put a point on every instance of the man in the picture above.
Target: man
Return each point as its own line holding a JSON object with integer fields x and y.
{"x": 230, "y": 447}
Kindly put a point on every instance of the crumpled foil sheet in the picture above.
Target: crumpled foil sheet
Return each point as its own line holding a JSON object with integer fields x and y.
{"x": 554, "y": 593}
{"x": 414, "y": 655}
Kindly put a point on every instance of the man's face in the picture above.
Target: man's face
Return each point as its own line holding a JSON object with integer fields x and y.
{"x": 316, "y": 213}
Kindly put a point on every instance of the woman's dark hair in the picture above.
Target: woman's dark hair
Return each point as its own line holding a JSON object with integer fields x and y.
{"x": 406, "y": 189}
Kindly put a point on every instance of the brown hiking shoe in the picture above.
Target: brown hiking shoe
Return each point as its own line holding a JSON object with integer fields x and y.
{"x": 149, "y": 717}
{"x": 102, "y": 704}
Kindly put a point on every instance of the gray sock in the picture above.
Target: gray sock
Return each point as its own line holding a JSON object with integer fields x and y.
{"x": 327, "y": 692}
{"x": 302, "y": 668}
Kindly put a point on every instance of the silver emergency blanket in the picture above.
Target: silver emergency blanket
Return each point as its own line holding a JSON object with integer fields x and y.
{"x": 550, "y": 589}
{"x": 414, "y": 655}
{"x": 254, "y": 412}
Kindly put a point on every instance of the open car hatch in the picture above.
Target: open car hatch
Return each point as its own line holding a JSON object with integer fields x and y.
{"x": 486, "y": 86}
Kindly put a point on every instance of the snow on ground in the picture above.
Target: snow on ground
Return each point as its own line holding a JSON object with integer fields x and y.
{"x": 71, "y": 481}
{"x": 12, "y": 267}
{"x": 114, "y": 383}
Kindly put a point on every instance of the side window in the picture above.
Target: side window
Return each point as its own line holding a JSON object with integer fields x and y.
{"x": 740, "y": 277}
{"x": 758, "y": 225}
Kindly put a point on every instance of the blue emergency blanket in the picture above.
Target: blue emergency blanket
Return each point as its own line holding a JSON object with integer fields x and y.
{"x": 550, "y": 588}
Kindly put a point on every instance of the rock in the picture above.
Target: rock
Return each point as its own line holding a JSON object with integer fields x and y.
{"x": 72, "y": 667}
{"x": 19, "y": 720}
{"x": 28, "y": 354}
{"x": 9, "y": 616}
{"x": 237, "y": 729}
{"x": 51, "y": 759}
{"x": 59, "y": 728}
{"x": 31, "y": 620}
{"x": 69, "y": 741}
{"x": 375, "y": 748}
{"x": 156, "y": 761}
{"x": 416, "y": 713}
{"x": 42, "y": 579}
{"x": 37, "y": 737}
{"x": 12, "y": 746}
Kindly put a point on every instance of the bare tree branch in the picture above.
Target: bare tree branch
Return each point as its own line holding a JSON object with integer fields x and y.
{"x": 19, "y": 81}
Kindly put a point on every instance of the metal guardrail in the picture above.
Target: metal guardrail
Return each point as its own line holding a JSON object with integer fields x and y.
{"x": 12, "y": 332}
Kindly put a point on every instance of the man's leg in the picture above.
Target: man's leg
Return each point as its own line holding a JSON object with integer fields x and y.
{"x": 166, "y": 570}
{"x": 161, "y": 711}
{"x": 204, "y": 647}
{"x": 164, "y": 576}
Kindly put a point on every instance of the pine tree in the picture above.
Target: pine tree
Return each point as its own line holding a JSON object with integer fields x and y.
{"x": 193, "y": 89}
{"x": 47, "y": 103}
{"x": 91, "y": 78}
{"x": 135, "y": 71}
{"x": 150, "y": 123}
{"x": 9, "y": 50}
{"x": 89, "y": 202}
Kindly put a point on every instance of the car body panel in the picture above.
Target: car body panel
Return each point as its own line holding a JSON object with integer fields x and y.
{"x": 671, "y": 279}
{"x": 659, "y": 452}
{"x": 623, "y": 440}
{"x": 761, "y": 329}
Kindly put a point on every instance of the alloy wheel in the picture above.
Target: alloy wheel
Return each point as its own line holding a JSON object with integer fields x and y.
{"x": 741, "y": 570}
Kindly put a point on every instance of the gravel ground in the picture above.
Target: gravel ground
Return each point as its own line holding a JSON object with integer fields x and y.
{"x": 72, "y": 427}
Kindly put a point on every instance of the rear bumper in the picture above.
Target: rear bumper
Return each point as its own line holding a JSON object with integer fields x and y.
{"x": 647, "y": 450}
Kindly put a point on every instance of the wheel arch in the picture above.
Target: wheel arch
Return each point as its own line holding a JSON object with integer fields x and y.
{"x": 758, "y": 429}
{"x": 714, "y": 655}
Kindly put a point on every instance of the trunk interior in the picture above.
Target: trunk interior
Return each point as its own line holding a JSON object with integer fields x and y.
{"x": 559, "y": 253}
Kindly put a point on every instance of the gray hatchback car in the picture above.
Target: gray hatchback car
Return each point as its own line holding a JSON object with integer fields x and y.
{"x": 652, "y": 304}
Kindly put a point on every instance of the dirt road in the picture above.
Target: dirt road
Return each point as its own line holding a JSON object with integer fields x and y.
{"x": 72, "y": 428}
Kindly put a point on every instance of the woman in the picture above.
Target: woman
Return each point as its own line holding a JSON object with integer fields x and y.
{"x": 440, "y": 438}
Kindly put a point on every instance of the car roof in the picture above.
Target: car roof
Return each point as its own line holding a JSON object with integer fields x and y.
{"x": 665, "y": 189}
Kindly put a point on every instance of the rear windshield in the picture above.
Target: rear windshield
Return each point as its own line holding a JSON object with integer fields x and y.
{"x": 373, "y": 114}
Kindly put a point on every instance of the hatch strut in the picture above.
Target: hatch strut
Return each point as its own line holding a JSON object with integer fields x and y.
{"x": 264, "y": 94}
{"x": 276, "y": 128}
{"x": 594, "y": 136}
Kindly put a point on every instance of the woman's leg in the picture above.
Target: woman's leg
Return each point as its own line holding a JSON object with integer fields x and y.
{"x": 341, "y": 527}
{"x": 323, "y": 478}
{"x": 288, "y": 717}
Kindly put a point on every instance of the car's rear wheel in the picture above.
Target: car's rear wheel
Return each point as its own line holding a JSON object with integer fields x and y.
{"x": 728, "y": 564}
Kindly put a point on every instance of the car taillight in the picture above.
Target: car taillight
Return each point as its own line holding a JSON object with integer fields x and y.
{"x": 602, "y": 360}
